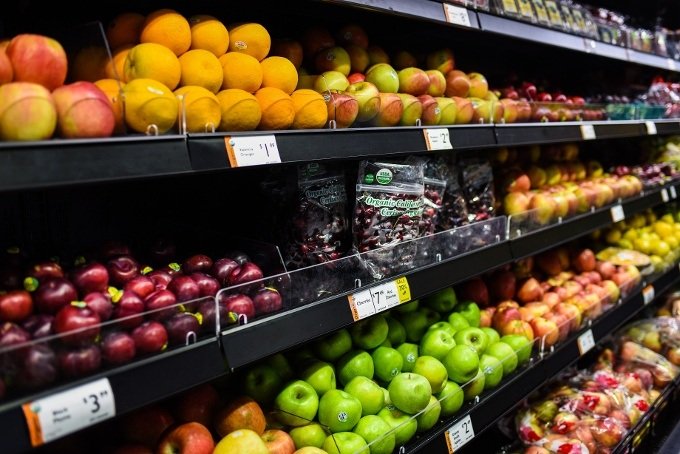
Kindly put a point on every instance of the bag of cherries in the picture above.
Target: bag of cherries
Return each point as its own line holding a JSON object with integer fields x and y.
{"x": 477, "y": 179}
{"x": 388, "y": 212}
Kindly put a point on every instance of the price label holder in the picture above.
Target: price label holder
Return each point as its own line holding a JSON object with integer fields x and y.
{"x": 673, "y": 192}
{"x": 66, "y": 412}
{"x": 245, "y": 151}
{"x": 617, "y": 213}
{"x": 651, "y": 128}
{"x": 648, "y": 294}
{"x": 585, "y": 342}
{"x": 588, "y": 132}
{"x": 671, "y": 64}
{"x": 456, "y": 15}
{"x": 379, "y": 298}
{"x": 664, "y": 195}
{"x": 459, "y": 434}
{"x": 590, "y": 45}
{"x": 437, "y": 139}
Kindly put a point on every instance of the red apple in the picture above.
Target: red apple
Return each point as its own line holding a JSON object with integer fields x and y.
{"x": 571, "y": 312}
{"x": 486, "y": 317}
{"x": 546, "y": 330}
{"x": 519, "y": 327}
{"x": 53, "y": 294}
{"x": 391, "y": 110}
{"x": 475, "y": 290}
{"x": 38, "y": 59}
{"x": 6, "y": 71}
{"x": 551, "y": 299}
{"x": 457, "y": 84}
{"x": 529, "y": 291}
{"x": 150, "y": 337}
{"x": 27, "y": 112}
{"x": 161, "y": 304}
{"x": 584, "y": 261}
{"x": 292, "y": 50}
{"x": 160, "y": 278}
{"x": 267, "y": 300}
{"x": 503, "y": 317}
{"x": 207, "y": 285}
{"x": 15, "y": 306}
{"x": 118, "y": 348}
{"x": 561, "y": 322}
{"x": 146, "y": 426}
{"x": 12, "y": 334}
{"x": 127, "y": 307}
{"x": 342, "y": 108}
{"x": 197, "y": 405}
{"x": 79, "y": 361}
{"x": 91, "y": 278}
{"x": 246, "y": 273}
{"x": 356, "y": 77}
{"x": 39, "y": 325}
{"x": 184, "y": 288}
{"x": 182, "y": 328}
{"x": 100, "y": 303}
{"x": 44, "y": 271}
{"x": 199, "y": 263}
{"x": 606, "y": 269}
{"x": 503, "y": 285}
{"x": 122, "y": 269}
{"x": 81, "y": 322}
{"x": 278, "y": 442}
{"x": 238, "y": 303}
{"x": 465, "y": 110}
{"x": 142, "y": 286}
{"x": 83, "y": 111}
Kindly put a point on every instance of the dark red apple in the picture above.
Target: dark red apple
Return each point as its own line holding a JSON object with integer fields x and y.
{"x": 207, "y": 285}
{"x": 184, "y": 288}
{"x": 54, "y": 294}
{"x": 247, "y": 273}
{"x": 122, "y": 269}
{"x": 15, "y": 306}
{"x": 39, "y": 325}
{"x": 503, "y": 285}
{"x": 46, "y": 270}
{"x": 239, "y": 257}
{"x": 475, "y": 290}
{"x": 146, "y": 425}
{"x": 150, "y": 337}
{"x": 100, "y": 303}
{"x": 113, "y": 249}
{"x": 267, "y": 300}
{"x": 161, "y": 304}
{"x": 118, "y": 348}
{"x": 38, "y": 367}
{"x": 238, "y": 303}
{"x": 199, "y": 263}
{"x": 79, "y": 318}
{"x": 208, "y": 310}
{"x": 198, "y": 404}
{"x": 180, "y": 327}
{"x": 222, "y": 269}
{"x": 128, "y": 307}
{"x": 12, "y": 334}
{"x": 91, "y": 278}
{"x": 79, "y": 361}
{"x": 160, "y": 278}
{"x": 142, "y": 286}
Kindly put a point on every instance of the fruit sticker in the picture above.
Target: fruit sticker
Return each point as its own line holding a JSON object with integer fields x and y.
{"x": 242, "y": 45}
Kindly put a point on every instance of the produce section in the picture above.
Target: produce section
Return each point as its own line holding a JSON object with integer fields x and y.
{"x": 289, "y": 229}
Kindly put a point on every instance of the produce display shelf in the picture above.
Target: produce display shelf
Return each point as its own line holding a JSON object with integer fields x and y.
{"x": 495, "y": 404}
{"x": 134, "y": 386}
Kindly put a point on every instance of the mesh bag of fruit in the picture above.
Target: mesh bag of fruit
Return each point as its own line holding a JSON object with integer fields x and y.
{"x": 387, "y": 215}
{"x": 477, "y": 181}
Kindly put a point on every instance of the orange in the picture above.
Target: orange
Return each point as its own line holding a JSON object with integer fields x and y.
{"x": 252, "y": 39}
{"x": 279, "y": 72}
{"x": 241, "y": 71}
{"x": 200, "y": 67}
{"x": 311, "y": 111}
{"x": 153, "y": 61}
{"x": 201, "y": 109}
{"x": 149, "y": 105}
{"x": 124, "y": 30}
{"x": 210, "y": 34}
{"x": 115, "y": 68}
{"x": 169, "y": 28}
{"x": 240, "y": 110}
{"x": 112, "y": 89}
{"x": 278, "y": 111}
{"x": 89, "y": 64}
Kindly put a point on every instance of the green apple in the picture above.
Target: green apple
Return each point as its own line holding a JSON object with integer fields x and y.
{"x": 262, "y": 382}
{"x": 446, "y": 326}
{"x": 493, "y": 371}
{"x": 475, "y": 387}
{"x": 409, "y": 352}
{"x": 331, "y": 80}
{"x": 462, "y": 363}
{"x": 310, "y": 435}
{"x": 370, "y": 395}
{"x": 387, "y": 344}
{"x": 473, "y": 337}
{"x": 387, "y": 363}
{"x": 376, "y": 432}
{"x": 450, "y": 398}
{"x": 442, "y": 301}
{"x": 433, "y": 370}
{"x": 384, "y": 77}
{"x": 387, "y": 396}
{"x": 354, "y": 363}
{"x": 396, "y": 333}
{"x": 296, "y": 404}
{"x": 405, "y": 308}
{"x": 458, "y": 322}
{"x": 344, "y": 443}
{"x": 369, "y": 333}
{"x": 470, "y": 311}
{"x": 339, "y": 411}
{"x": 281, "y": 366}
{"x": 410, "y": 392}
{"x": 301, "y": 357}
{"x": 416, "y": 323}
{"x": 428, "y": 418}
{"x": 333, "y": 346}
{"x": 492, "y": 335}
{"x": 368, "y": 97}
{"x": 521, "y": 346}
{"x": 505, "y": 354}
{"x": 437, "y": 343}
{"x": 405, "y": 425}
{"x": 321, "y": 376}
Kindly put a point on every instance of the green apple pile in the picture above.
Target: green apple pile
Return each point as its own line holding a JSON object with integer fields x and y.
{"x": 386, "y": 378}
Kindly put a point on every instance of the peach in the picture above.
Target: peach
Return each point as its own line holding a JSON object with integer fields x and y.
{"x": 465, "y": 110}
{"x": 413, "y": 81}
{"x": 27, "y": 112}
{"x": 83, "y": 111}
{"x": 437, "y": 83}
{"x": 457, "y": 84}
{"x": 38, "y": 59}
{"x": 6, "y": 71}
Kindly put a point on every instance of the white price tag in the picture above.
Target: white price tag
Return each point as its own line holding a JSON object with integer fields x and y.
{"x": 457, "y": 15}
{"x": 437, "y": 139}
{"x": 585, "y": 342}
{"x": 671, "y": 64}
{"x": 651, "y": 128}
{"x": 648, "y": 294}
{"x": 617, "y": 213}
{"x": 588, "y": 132}
{"x": 590, "y": 45}
{"x": 459, "y": 434}
{"x": 252, "y": 150}
{"x": 379, "y": 298}
{"x": 664, "y": 195}
{"x": 674, "y": 194}
{"x": 69, "y": 411}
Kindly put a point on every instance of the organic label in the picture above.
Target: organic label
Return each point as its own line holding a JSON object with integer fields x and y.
{"x": 585, "y": 342}
{"x": 379, "y": 298}
{"x": 459, "y": 434}
{"x": 69, "y": 411}
{"x": 383, "y": 176}
{"x": 456, "y": 15}
{"x": 245, "y": 151}
{"x": 437, "y": 139}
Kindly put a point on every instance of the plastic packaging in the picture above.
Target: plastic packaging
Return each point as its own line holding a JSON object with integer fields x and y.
{"x": 477, "y": 181}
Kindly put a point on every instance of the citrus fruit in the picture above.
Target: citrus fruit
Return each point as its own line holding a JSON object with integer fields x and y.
{"x": 279, "y": 72}
{"x": 241, "y": 71}
{"x": 202, "y": 68}
{"x": 124, "y": 30}
{"x": 168, "y": 28}
{"x": 149, "y": 103}
{"x": 311, "y": 111}
{"x": 252, "y": 39}
{"x": 115, "y": 67}
{"x": 209, "y": 34}
{"x": 153, "y": 61}
{"x": 278, "y": 111}
{"x": 201, "y": 108}
{"x": 112, "y": 89}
